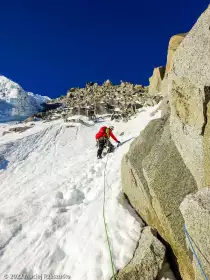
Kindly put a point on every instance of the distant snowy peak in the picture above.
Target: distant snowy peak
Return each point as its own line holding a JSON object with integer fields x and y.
{"x": 16, "y": 103}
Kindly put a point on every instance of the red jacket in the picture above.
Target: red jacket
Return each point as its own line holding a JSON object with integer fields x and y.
{"x": 105, "y": 132}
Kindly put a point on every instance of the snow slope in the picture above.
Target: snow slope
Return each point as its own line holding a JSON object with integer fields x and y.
{"x": 51, "y": 199}
{"x": 17, "y": 103}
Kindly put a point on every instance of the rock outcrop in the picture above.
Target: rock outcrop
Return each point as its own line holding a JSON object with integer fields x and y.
{"x": 196, "y": 212}
{"x": 121, "y": 101}
{"x": 173, "y": 45}
{"x": 106, "y": 98}
{"x": 156, "y": 80}
{"x": 18, "y": 129}
{"x": 148, "y": 259}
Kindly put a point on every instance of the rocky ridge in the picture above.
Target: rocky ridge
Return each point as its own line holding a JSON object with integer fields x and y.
{"x": 119, "y": 101}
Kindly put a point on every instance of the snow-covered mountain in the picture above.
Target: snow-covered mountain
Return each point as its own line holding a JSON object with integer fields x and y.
{"x": 16, "y": 103}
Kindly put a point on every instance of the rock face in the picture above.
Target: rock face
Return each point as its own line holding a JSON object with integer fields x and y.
{"x": 186, "y": 124}
{"x": 174, "y": 43}
{"x": 196, "y": 212}
{"x": 171, "y": 158}
{"x": 189, "y": 90}
{"x": 192, "y": 56}
{"x": 156, "y": 180}
{"x": 15, "y": 102}
{"x": 148, "y": 259}
{"x": 156, "y": 80}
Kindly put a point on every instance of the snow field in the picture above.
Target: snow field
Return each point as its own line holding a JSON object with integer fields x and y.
{"x": 51, "y": 201}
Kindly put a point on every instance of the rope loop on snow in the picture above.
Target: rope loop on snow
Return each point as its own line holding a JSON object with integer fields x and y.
{"x": 194, "y": 253}
{"x": 105, "y": 224}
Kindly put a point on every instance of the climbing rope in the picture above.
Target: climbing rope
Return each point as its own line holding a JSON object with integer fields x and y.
{"x": 105, "y": 224}
{"x": 194, "y": 253}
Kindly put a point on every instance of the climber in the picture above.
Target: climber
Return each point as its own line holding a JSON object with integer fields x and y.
{"x": 102, "y": 139}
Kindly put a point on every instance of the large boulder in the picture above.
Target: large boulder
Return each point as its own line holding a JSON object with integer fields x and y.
{"x": 156, "y": 79}
{"x": 174, "y": 42}
{"x": 196, "y": 212}
{"x": 148, "y": 258}
{"x": 156, "y": 180}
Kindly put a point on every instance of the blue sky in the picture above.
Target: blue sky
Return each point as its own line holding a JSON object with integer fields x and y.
{"x": 50, "y": 46}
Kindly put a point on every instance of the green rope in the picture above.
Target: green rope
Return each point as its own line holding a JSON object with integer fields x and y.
{"x": 105, "y": 224}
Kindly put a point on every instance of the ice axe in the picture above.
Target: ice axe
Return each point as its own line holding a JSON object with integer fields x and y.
{"x": 118, "y": 145}
{"x": 121, "y": 143}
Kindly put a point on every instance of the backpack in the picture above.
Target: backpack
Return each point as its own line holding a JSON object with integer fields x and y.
{"x": 103, "y": 129}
